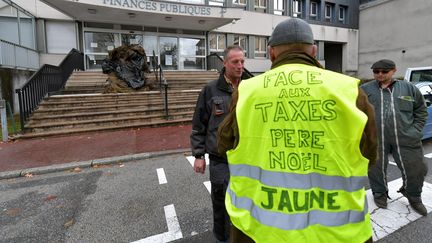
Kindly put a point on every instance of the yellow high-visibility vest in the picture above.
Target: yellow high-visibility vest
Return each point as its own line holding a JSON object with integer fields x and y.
{"x": 297, "y": 174}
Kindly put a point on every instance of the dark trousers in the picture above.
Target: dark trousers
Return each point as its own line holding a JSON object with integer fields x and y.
{"x": 219, "y": 178}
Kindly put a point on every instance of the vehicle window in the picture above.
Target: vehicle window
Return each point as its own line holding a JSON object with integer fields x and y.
{"x": 421, "y": 75}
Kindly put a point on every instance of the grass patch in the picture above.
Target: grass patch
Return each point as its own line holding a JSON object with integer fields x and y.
{"x": 11, "y": 127}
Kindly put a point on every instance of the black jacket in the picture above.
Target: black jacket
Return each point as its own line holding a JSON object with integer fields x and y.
{"x": 211, "y": 108}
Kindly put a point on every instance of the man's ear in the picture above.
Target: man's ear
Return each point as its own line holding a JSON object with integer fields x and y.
{"x": 271, "y": 53}
{"x": 314, "y": 50}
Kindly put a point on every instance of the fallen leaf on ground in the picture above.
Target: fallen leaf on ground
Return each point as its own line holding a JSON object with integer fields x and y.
{"x": 50, "y": 197}
{"x": 13, "y": 212}
{"x": 69, "y": 223}
{"x": 77, "y": 169}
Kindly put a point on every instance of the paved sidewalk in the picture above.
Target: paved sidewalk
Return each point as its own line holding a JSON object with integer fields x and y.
{"x": 100, "y": 146}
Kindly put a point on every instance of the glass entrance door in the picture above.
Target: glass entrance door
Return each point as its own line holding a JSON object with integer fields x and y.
{"x": 192, "y": 53}
{"x": 168, "y": 51}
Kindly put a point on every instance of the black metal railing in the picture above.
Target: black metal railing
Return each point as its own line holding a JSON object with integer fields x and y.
{"x": 215, "y": 62}
{"x": 46, "y": 80}
{"x": 163, "y": 83}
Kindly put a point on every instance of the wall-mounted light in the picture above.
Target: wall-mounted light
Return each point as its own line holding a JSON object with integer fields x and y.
{"x": 201, "y": 21}
{"x": 91, "y": 11}
{"x": 168, "y": 18}
{"x": 131, "y": 15}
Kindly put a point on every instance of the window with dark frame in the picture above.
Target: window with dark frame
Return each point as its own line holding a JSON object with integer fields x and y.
{"x": 328, "y": 11}
{"x": 296, "y": 8}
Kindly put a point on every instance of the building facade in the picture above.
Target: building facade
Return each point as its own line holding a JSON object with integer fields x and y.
{"x": 395, "y": 29}
{"x": 180, "y": 33}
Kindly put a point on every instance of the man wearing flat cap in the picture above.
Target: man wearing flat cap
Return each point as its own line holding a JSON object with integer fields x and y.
{"x": 299, "y": 140}
{"x": 400, "y": 114}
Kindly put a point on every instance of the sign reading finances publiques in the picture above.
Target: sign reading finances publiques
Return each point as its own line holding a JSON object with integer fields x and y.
{"x": 163, "y": 7}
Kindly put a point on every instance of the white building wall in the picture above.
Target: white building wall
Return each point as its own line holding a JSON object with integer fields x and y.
{"x": 399, "y": 30}
{"x": 41, "y": 10}
{"x": 253, "y": 23}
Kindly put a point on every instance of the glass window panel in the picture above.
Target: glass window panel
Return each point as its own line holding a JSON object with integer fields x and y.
{"x": 8, "y": 23}
{"x": 26, "y": 30}
{"x": 240, "y": 2}
{"x": 97, "y": 42}
{"x": 193, "y": 62}
{"x": 192, "y": 47}
{"x": 150, "y": 45}
{"x": 213, "y": 41}
{"x": 221, "y": 42}
{"x": 131, "y": 39}
{"x": 60, "y": 43}
{"x": 94, "y": 61}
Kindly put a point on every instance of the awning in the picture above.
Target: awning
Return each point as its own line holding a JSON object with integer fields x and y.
{"x": 148, "y": 13}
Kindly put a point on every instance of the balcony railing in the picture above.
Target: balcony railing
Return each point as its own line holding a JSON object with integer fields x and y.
{"x": 18, "y": 57}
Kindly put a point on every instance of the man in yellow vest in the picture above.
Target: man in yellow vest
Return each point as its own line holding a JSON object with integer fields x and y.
{"x": 299, "y": 140}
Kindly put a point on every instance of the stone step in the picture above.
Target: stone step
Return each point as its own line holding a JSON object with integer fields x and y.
{"x": 48, "y": 118}
{"x": 108, "y": 108}
{"x": 113, "y": 121}
{"x": 154, "y": 123}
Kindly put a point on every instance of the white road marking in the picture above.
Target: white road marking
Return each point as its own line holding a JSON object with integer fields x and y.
{"x": 428, "y": 155}
{"x": 161, "y": 176}
{"x": 398, "y": 212}
{"x": 392, "y": 163}
{"x": 174, "y": 231}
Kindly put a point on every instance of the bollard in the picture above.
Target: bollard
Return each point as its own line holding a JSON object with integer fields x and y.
{"x": 3, "y": 120}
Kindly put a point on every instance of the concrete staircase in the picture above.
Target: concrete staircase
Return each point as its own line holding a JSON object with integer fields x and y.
{"x": 83, "y": 108}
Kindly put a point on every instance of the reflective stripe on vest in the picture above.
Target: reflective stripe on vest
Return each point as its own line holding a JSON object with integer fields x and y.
{"x": 299, "y": 181}
{"x": 299, "y": 220}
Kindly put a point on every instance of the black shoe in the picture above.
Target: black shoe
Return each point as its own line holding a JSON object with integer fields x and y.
{"x": 381, "y": 201}
{"x": 417, "y": 205}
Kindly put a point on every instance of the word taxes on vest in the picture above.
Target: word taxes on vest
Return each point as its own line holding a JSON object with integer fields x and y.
{"x": 295, "y": 104}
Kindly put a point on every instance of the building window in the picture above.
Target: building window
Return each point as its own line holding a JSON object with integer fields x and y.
{"x": 240, "y": 2}
{"x": 328, "y": 11}
{"x": 216, "y": 2}
{"x": 313, "y": 9}
{"x": 242, "y": 41}
{"x": 279, "y": 7}
{"x": 217, "y": 42}
{"x": 297, "y": 8}
{"x": 260, "y": 46}
{"x": 342, "y": 12}
{"x": 260, "y": 3}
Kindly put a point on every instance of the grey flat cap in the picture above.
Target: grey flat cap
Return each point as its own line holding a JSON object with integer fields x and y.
{"x": 292, "y": 30}
{"x": 384, "y": 64}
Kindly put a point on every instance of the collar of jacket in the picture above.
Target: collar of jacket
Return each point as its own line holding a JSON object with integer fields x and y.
{"x": 222, "y": 84}
{"x": 295, "y": 57}
{"x": 391, "y": 85}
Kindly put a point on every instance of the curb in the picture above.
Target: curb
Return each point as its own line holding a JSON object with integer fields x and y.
{"x": 87, "y": 164}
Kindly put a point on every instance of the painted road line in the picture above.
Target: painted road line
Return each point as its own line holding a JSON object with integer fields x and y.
{"x": 207, "y": 184}
{"x": 174, "y": 231}
{"x": 161, "y": 176}
{"x": 392, "y": 163}
{"x": 191, "y": 159}
{"x": 398, "y": 212}
{"x": 428, "y": 155}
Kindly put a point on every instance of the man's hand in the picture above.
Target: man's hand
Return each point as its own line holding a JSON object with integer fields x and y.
{"x": 199, "y": 166}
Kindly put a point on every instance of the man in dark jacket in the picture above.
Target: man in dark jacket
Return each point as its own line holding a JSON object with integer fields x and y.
{"x": 400, "y": 114}
{"x": 211, "y": 108}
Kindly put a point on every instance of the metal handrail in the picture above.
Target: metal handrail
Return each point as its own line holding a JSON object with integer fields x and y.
{"x": 46, "y": 80}
{"x": 163, "y": 83}
{"x": 219, "y": 66}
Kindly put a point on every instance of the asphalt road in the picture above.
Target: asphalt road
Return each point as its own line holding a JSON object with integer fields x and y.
{"x": 153, "y": 200}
